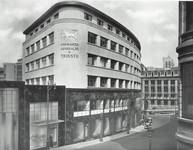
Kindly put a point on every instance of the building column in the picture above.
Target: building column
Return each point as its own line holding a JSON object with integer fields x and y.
{"x": 117, "y": 48}
{"x": 98, "y": 81}
{"x": 98, "y": 40}
{"x": 123, "y": 68}
{"x": 98, "y": 61}
{"x": 123, "y": 84}
{"x": 108, "y": 44}
{"x": 108, "y": 63}
{"x": 117, "y": 66}
{"x": 117, "y": 83}
{"x": 108, "y": 83}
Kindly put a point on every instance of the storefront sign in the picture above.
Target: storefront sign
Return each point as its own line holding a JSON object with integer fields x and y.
{"x": 69, "y": 45}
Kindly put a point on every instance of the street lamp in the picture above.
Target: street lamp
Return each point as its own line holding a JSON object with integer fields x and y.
{"x": 148, "y": 126}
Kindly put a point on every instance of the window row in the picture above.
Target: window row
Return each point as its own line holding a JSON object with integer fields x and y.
{"x": 40, "y": 63}
{"x": 160, "y": 82}
{"x": 94, "y": 60}
{"x": 109, "y": 27}
{"x": 86, "y": 105}
{"x": 45, "y": 80}
{"x": 161, "y": 95}
{"x": 111, "y": 45}
{"x": 44, "y": 24}
{"x": 159, "y": 89}
{"x": 164, "y": 102}
{"x": 166, "y": 73}
{"x": 104, "y": 82}
{"x": 44, "y": 42}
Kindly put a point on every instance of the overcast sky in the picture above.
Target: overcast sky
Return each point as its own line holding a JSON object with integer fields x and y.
{"x": 155, "y": 24}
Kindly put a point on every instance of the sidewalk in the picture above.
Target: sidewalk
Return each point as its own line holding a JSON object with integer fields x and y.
{"x": 97, "y": 141}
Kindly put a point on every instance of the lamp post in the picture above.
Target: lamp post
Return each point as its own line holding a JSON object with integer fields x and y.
{"x": 148, "y": 126}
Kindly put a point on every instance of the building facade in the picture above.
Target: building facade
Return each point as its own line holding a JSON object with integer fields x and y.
{"x": 160, "y": 90}
{"x": 97, "y": 59}
{"x": 73, "y": 40}
{"x": 184, "y": 133}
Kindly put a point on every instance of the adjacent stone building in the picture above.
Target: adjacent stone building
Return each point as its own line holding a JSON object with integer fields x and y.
{"x": 184, "y": 133}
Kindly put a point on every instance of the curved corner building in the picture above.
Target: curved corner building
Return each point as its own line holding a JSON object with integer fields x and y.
{"x": 76, "y": 45}
{"x": 185, "y": 50}
{"x": 97, "y": 59}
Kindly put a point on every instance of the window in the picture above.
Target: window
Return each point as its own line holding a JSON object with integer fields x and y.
{"x": 127, "y": 68}
{"x": 27, "y": 67}
{"x": 100, "y": 22}
{"x": 51, "y": 79}
{"x": 51, "y": 59}
{"x": 27, "y": 51}
{"x": 113, "y": 45}
{"x": 42, "y": 25}
{"x": 152, "y": 82}
{"x": 36, "y": 30}
{"x": 38, "y": 81}
{"x": 44, "y": 42}
{"x": 44, "y": 80}
{"x": 32, "y": 65}
{"x": 123, "y": 35}
{"x": 51, "y": 38}
{"x": 92, "y": 38}
{"x": 128, "y": 38}
{"x": 120, "y": 49}
{"x": 113, "y": 63}
{"x": 37, "y": 63}
{"x": 120, "y": 83}
{"x": 126, "y": 51}
{"x": 48, "y": 21}
{"x": 91, "y": 81}
{"x": 44, "y": 61}
{"x": 117, "y": 31}
{"x": 165, "y": 89}
{"x": 103, "y": 42}
{"x": 113, "y": 83}
{"x": 56, "y": 16}
{"x": 104, "y": 62}
{"x": 38, "y": 45}
{"x": 120, "y": 66}
{"x": 31, "y": 33}
{"x": 87, "y": 17}
{"x": 103, "y": 82}
{"x": 110, "y": 27}
{"x": 92, "y": 59}
{"x": 131, "y": 54}
{"x": 32, "y": 48}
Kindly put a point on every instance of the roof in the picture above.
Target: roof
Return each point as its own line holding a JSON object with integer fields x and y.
{"x": 85, "y": 6}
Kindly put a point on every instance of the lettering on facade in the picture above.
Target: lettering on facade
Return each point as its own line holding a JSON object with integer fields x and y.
{"x": 69, "y": 45}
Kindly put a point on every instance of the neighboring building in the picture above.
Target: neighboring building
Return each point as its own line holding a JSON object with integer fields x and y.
{"x": 160, "y": 90}
{"x": 73, "y": 40}
{"x": 168, "y": 62}
{"x": 184, "y": 133}
{"x": 97, "y": 59}
{"x": 11, "y": 71}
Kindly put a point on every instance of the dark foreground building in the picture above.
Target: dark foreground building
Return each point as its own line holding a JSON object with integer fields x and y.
{"x": 185, "y": 50}
{"x": 74, "y": 115}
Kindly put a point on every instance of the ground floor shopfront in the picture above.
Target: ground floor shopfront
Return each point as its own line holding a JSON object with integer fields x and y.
{"x": 35, "y": 117}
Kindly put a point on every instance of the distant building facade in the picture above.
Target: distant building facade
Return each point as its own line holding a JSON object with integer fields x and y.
{"x": 168, "y": 62}
{"x": 160, "y": 89}
{"x": 184, "y": 133}
{"x": 11, "y": 71}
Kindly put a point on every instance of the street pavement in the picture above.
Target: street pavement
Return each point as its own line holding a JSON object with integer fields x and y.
{"x": 163, "y": 137}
